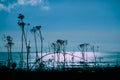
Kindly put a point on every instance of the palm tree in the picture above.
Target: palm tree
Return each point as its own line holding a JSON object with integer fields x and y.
{"x": 8, "y": 54}
{"x": 23, "y": 36}
{"x": 84, "y": 50}
{"x": 34, "y": 32}
{"x": 93, "y": 49}
{"x": 72, "y": 59}
{"x": 9, "y": 45}
{"x": 59, "y": 47}
{"x": 28, "y": 50}
{"x": 21, "y": 24}
{"x": 41, "y": 39}
{"x": 54, "y": 46}
{"x": 64, "y": 51}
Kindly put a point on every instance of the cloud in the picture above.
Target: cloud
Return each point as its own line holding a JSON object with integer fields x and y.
{"x": 45, "y": 7}
{"x": 2, "y": 7}
{"x": 29, "y": 2}
{"x": 8, "y": 5}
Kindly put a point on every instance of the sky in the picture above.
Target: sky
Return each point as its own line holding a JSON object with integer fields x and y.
{"x": 96, "y": 22}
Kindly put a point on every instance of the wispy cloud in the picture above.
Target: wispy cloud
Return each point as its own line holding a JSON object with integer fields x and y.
{"x": 29, "y": 2}
{"x": 45, "y": 7}
{"x": 2, "y": 7}
{"x": 8, "y": 5}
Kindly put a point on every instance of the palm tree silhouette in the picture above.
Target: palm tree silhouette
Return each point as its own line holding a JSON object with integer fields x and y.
{"x": 72, "y": 59}
{"x": 84, "y": 50}
{"x": 21, "y": 24}
{"x": 93, "y": 49}
{"x": 23, "y": 36}
{"x": 41, "y": 39}
{"x": 61, "y": 48}
{"x": 28, "y": 50}
{"x": 9, "y": 46}
{"x": 54, "y": 46}
{"x": 64, "y": 51}
{"x": 34, "y": 32}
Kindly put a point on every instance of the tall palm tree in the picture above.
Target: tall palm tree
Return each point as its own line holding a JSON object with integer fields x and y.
{"x": 8, "y": 51}
{"x": 34, "y": 32}
{"x": 23, "y": 37}
{"x": 72, "y": 59}
{"x": 54, "y": 46}
{"x": 21, "y": 24}
{"x": 64, "y": 51}
{"x": 61, "y": 44}
{"x": 82, "y": 50}
{"x": 28, "y": 50}
{"x": 9, "y": 45}
{"x": 41, "y": 39}
{"x": 59, "y": 47}
{"x": 84, "y": 47}
{"x": 93, "y": 49}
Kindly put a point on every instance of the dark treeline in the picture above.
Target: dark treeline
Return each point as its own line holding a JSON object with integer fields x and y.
{"x": 109, "y": 73}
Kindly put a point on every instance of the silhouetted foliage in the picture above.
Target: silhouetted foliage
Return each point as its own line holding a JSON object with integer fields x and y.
{"x": 59, "y": 46}
{"x": 22, "y": 24}
{"x": 14, "y": 65}
{"x": 9, "y": 44}
{"x": 34, "y": 32}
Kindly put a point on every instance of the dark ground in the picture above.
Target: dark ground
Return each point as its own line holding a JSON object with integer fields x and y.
{"x": 73, "y": 74}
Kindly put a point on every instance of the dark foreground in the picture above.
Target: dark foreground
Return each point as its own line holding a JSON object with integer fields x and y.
{"x": 72, "y": 74}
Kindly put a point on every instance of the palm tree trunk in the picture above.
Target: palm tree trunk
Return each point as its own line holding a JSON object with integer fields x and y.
{"x": 83, "y": 55}
{"x": 64, "y": 55}
{"x": 57, "y": 59}
{"x": 41, "y": 39}
{"x": 21, "y": 54}
{"x": 28, "y": 51}
{"x": 86, "y": 53}
{"x": 24, "y": 36}
{"x": 54, "y": 59}
{"x": 10, "y": 54}
{"x": 94, "y": 56}
{"x": 25, "y": 39}
{"x": 36, "y": 46}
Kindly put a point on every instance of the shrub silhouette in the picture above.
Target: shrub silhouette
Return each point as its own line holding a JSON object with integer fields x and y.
{"x": 14, "y": 65}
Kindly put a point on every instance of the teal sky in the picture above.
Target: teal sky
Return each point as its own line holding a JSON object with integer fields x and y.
{"x": 79, "y": 21}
